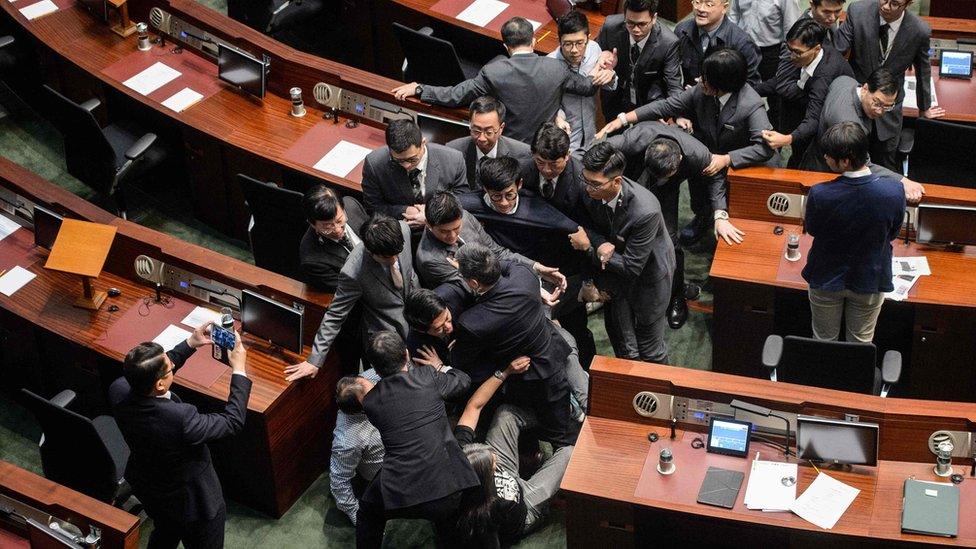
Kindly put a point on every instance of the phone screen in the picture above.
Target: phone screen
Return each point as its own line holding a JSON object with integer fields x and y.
{"x": 222, "y": 337}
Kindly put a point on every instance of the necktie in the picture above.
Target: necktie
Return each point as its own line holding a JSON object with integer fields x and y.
{"x": 396, "y": 276}
{"x": 634, "y": 55}
{"x": 477, "y": 172}
{"x": 418, "y": 193}
{"x": 883, "y": 40}
{"x": 706, "y": 42}
{"x": 548, "y": 187}
{"x": 346, "y": 242}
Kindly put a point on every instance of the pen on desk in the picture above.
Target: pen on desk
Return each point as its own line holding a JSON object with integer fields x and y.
{"x": 815, "y": 467}
{"x": 544, "y": 35}
{"x": 3, "y": 272}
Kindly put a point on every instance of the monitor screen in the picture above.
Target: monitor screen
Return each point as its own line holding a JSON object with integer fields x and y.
{"x": 956, "y": 64}
{"x": 942, "y": 224}
{"x": 98, "y": 8}
{"x": 729, "y": 436}
{"x": 441, "y": 130}
{"x": 46, "y": 227}
{"x": 836, "y": 441}
{"x": 271, "y": 321}
{"x": 242, "y": 70}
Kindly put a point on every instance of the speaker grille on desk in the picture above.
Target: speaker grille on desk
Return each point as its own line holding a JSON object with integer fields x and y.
{"x": 961, "y": 442}
{"x": 645, "y": 403}
{"x": 149, "y": 269}
{"x": 326, "y": 95}
{"x": 785, "y": 205}
{"x": 159, "y": 19}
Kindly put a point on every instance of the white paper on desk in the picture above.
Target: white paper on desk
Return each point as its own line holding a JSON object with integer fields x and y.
{"x": 7, "y": 227}
{"x": 200, "y": 316}
{"x": 34, "y": 11}
{"x": 535, "y": 25}
{"x": 152, "y": 78}
{"x": 182, "y": 99}
{"x": 915, "y": 266}
{"x": 766, "y": 489}
{"x": 171, "y": 337}
{"x": 824, "y": 501}
{"x": 342, "y": 159}
{"x": 903, "y": 284}
{"x": 15, "y": 280}
{"x": 911, "y": 99}
{"x": 481, "y": 12}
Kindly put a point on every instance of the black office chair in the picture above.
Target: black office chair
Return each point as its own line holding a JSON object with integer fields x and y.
{"x": 87, "y": 455}
{"x": 277, "y": 225}
{"x": 273, "y": 16}
{"x": 431, "y": 60}
{"x": 106, "y": 159}
{"x": 837, "y": 365}
{"x": 936, "y": 156}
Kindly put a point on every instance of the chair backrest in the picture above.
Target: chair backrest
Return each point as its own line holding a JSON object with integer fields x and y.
{"x": 278, "y": 225}
{"x": 429, "y": 60}
{"x": 937, "y": 156}
{"x": 88, "y": 153}
{"x": 829, "y": 364}
{"x": 253, "y": 13}
{"x": 73, "y": 453}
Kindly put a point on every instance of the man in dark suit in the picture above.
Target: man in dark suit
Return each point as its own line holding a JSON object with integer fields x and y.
{"x": 424, "y": 474}
{"x": 169, "y": 467}
{"x": 807, "y": 67}
{"x": 887, "y": 36}
{"x": 648, "y": 65}
{"x": 725, "y": 114}
{"x": 827, "y": 13}
{"x": 430, "y": 316}
{"x": 709, "y": 30}
{"x": 400, "y": 177}
{"x": 487, "y": 121}
{"x": 530, "y": 86}
{"x": 378, "y": 273}
{"x": 636, "y": 264}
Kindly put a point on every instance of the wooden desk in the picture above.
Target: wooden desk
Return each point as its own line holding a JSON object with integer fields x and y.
{"x": 119, "y": 530}
{"x": 600, "y": 483}
{"x": 951, "y": 28}
{"x": 51, "y": 345}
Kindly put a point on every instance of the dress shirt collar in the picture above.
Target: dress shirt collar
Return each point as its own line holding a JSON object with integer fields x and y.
{"x": 612, "y": 203}
{"x": 893, "y": 26}
{"x": 167, "y": 395}
{"x": 863, "y": 172}
{"x": 525, "y": 52}
{"x": 640, "y": 44}
{"x": 493, "y": 153}
{"x": 809, "y": 69}
{"x": 422, "y": 165}
{"x": 491, "y": 205}
{"x": 353, "y": 239}
{"x": 860, "y": 106}
{"x": 723, "y": 99}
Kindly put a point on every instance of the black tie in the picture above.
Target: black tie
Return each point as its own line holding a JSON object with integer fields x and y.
{"x": 418, "y": 194}
{"x": 547, "y": 188}
{"x": 346, "y": 242}
{"x": 477, "y": 172}
{"x": 608, "y": 212}
{"x": 883, "y": 40}
{"x": 634, "y": 55}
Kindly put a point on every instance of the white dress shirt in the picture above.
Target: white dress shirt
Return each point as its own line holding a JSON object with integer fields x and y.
{"x": 807, "y": 71}
{"x": 579, "y": 110}
{"x": 765, "y": 21}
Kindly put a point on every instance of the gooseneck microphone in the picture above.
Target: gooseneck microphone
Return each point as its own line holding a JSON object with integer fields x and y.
{"x": 765, "y": 412}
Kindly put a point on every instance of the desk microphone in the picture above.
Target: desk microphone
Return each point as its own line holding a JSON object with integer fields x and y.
{"x": 765, "y": 412}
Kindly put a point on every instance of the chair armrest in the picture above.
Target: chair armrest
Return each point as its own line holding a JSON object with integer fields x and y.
{"x": 426, "y": 31}
{"x": 6, "y": 41}
{"x": 91, "y": 104}
{"x": 64, "y": 398}
{"x": 140, "y": 147}
{"x": 772, "y": 351}
{"x": 891, "y": 367}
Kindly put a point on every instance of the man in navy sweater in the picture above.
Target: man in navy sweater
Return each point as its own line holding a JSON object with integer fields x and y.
{"x": 853, "y": 220}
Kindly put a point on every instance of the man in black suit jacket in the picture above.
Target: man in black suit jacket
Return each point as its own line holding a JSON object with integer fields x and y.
{"x": 169, "y": 467}
{"x": 807, "y": 66}
{"x": 487, "y": 122}
{"x": 709, "y": 29}
{"x": 636, "y": 264}
{"x": 424, "y": 474}
{"x": 648, "y": 66}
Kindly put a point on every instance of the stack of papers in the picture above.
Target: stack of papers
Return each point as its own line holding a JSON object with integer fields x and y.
{"x": 152, "y": 78}
{"x": 342, "y": 159}
{"x": 182, "y": 99}
{"x": 171, "y": 337}
{"x": 481, "y": 12}
{"x": 911, "y": 97}
{"x": 43, "y": 7}
{"x": 772, "y": 486}
{"x": 905, "y": 273}
{"x": 200, "y": 316}
{"x": 825, "y": 501}
{"x": 15, "y": 280}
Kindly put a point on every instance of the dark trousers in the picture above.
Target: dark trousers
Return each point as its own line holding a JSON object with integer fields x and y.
{"x": 201, "y": 534}
{"x": 372, "y": 516}
{"x": 884, "y": 153}
{"x": 667, "y": 194}
{"x": 549, "y": 399}
{"x": 571, "y": 315}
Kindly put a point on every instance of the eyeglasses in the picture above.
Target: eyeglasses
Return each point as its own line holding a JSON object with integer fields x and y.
{"x": 706, "y": 3}
{"x": 488, "y": 132}
{"x": 878, "y": 105}
{"x": 404, "y": 162}
{"x": 796, "y": 53}
{"x": 638, "y": 24}
{"x": 166, "y": 373}
{"x": 593, "y": 184}
{"x": 498, "y": 197}
{"x": 580, "y": 44}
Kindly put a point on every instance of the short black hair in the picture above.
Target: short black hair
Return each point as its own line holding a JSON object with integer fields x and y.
{"x": 818, "y": 2}
{"x": 348, "y": 393}
{"x": 143, "y": 366}
{"x": 641, "y": 5}
{"x": 382, "y": 236}
{"x": 476, "y": 261}
{"x": 442, "y": 208}
{"x": 725, "y": 70}
{"x": 516, "y": 32}
{"x": 496, "y": 174}
{"x": 663, "y": 157}
{"x": 806, "y": 31}
{"x": 571, "y": 23}
{"x": 421, "y": 307}
{"x": 387, "y": 353}
{"x": 550, "y": 142}
{"x": 321, "y": 204}
{"x": 486, "y": 104}
{"x": 846, "y": 141}
{"x": 604, "y": 158}
{"x": 883, "y": 80}
{"x": 401, "y": 134}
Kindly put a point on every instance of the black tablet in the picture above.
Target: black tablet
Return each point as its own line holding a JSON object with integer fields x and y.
{"x": 729, "y": 437}
{"x": 956, "y": 64}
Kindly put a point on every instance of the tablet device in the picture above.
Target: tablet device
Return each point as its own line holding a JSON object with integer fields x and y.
{"x": 728, "y": 436}
{"x": 720, "y": 487}
{"x": 956, "y": 64}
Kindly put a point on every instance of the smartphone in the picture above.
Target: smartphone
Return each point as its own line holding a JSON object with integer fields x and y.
{"x": 224, "y": 341}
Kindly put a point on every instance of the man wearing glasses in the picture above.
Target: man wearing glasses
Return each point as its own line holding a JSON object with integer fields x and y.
{"x": 648, "y": 64}
{"x": 487, "y": 122}
{"x": 710, "y": 30}
{"x": 884, "y": 35}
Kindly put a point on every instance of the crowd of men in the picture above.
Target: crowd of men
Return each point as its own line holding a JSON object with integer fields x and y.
{"x": 461, "y": 283}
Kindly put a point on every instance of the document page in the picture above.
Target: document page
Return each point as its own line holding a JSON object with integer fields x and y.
{"x": 200, "y": 316}
{"x": 152, "y": 78}
{"x": 15, "y": 280}
{"x": 911, "y": 99}
{"x": 914, "y": 266}
{"x": 171, "y": 337}
{"x": 342, "y": 159}
{"x": 825, "y": 501}
{"x": 772, "y": 486}
{"x": 182, "y": 99}
{"x": 34, "y": 11}
{"x": 481, "y": 12}
{"x": 7, "y": 226}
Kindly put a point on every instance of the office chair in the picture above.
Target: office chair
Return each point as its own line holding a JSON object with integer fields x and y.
{"x": 273, "y": 16}
{"x": 277, "y": 225}
{"x": 936, "y": 156}
{"x": 431, "y": 60}
{"x": 87, "y": 455}
{"x": 106, "y": 159}
{"x": 837, "y": 365}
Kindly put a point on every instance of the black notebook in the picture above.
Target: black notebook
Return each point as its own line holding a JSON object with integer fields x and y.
{"x": 720, "y": 487}
{"x": 930, "y": 508}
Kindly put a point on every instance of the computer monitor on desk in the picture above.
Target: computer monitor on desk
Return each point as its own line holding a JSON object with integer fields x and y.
{"x": 835, "y": 441}
{"x": 441, "y": 130}
{"x": 271, "y": 321}
{"x": 46, "y": 227}
{"x": 242, "y": 70}
{"x": 941, "y": 224}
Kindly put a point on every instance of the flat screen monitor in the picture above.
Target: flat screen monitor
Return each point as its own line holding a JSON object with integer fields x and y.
{"x": 943, "y": 224}
{"x": 836, "y": 441}
{"x": 729, "y": 436}
{"x": 242, "y": 70}
{"x": 98, "y": 8}
{"x": 271, "y": 321}
{"x": 558, "y": 8}
{"x": 956, "y": 64}
{"x": 441, "y": 130}
{"x": 46, "y": 227}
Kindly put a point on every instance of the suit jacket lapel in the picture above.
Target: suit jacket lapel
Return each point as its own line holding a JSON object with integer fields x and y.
{"x": 470, "y": 159}
{"x": 728, "y": 111}
{"x": 382, "y": 273}
{"x": 430, "y": 180}
{"x": 648, "y": 47}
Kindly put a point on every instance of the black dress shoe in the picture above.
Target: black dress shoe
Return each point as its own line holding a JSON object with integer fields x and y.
{"x": 677, "y": 312}
{"x": 694, "y": 231}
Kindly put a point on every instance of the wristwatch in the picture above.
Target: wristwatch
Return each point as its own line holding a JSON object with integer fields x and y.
{"x": 721, "y": 214}
{"x": 418, "y": 90}
{"x": 500, "y": 375}
{"x": 622, "y": 118}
